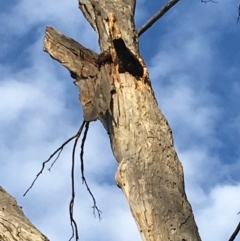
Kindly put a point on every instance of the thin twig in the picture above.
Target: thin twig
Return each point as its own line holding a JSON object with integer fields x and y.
{"x": 235, "y": 233}
{"x": 59, "y": 153}
{"x": 51, "y": 156}
{"x": 208, "y": 1}
{"x": 82, "y": 150}
{"x": 157, "y": 16}
{"x": 95, "y": 207}
{"x": 238, "y": 18}
{"x": 71, "y": 204}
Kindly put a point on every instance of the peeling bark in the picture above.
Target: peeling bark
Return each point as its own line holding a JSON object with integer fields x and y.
{"x": 14, "y": 226}
{"x": 115, "y": 88}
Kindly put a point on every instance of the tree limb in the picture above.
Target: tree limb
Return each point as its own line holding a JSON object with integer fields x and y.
{"x": 157, "y": 16}
{"x": 235, "y": 233}
{"x": 69, "y": 52}
{"x": 83, "y": 65}
{"x": 14, "y": 226}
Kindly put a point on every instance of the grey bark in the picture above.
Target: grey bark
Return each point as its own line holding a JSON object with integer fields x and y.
{"x": 121, "y": 97}
{"x": 149, "y": 173}
{"x": 115, "y": 88}
{"x": 14, "y": 226}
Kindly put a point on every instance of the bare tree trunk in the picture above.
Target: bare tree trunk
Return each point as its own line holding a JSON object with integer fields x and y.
{"x": 14, "y": 226}
{"x": 115, "y": 88}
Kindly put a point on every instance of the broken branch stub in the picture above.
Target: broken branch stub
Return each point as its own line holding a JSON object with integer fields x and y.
{"x": 83, "y": 65}
{"x": 94, "y": 73}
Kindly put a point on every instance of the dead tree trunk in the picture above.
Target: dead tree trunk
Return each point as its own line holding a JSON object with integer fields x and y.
{"x": 115, "y": 88}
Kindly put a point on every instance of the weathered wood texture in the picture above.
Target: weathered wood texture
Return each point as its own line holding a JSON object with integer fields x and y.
{"x": 82, "y": 64}
{"x": 116, "y": 89}
{"x": 14, "y": 226}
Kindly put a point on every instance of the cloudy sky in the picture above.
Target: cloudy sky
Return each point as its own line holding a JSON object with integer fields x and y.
{"x": 194, "y": 62}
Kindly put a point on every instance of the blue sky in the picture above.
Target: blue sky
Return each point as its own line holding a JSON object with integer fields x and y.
{"x": 193, "y": 58}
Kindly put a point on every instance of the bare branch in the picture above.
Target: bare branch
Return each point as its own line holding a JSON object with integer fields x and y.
{"x": 82, "y": 172}
{"x": 58, "y": 152}
{"x": 51, "y": 156}
{"x": 208, "y": 1}
{"x": 157, "y": 16}
{"x": 235, "y": 233}
{"x": 238, "y": 18}
{"x": 162, "y": 11}
{"x": 71, "y": 204}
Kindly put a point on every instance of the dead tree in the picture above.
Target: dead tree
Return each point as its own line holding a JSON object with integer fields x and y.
{"x": 115, "y": 88}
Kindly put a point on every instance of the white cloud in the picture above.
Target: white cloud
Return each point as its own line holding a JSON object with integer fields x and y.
{"x": 24, "y": 15}
{"x": 219, "y": 217}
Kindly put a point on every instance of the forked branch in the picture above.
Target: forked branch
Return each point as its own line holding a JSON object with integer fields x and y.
{"x": 71, "y": 204}
{"x": 58, "y": 152}
{"x": 157, "y": 16}
{"x": 83, "y": 176}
